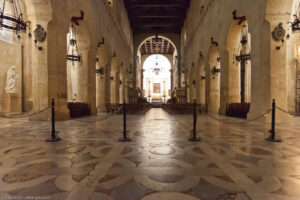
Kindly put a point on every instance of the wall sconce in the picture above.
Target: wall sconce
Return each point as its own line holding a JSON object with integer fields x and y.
{"x": 101, "y": 42}
{"x": 240, "y": 19}
{"x": 295, "y": 24}
{"x": 214, "y": 42}
{"x": 111, "y": 78}
{"x": 214, "y": 70}
{"x": 194, "y": 82}
{"x": 200, "y": 54}
{"x": 202, "y": 78}
{"x": 120, "y": 82}
{"x": 114, "y": 55}
{"x": 100, "y": 72}
{"x": 76, "y": 19}
{"x": 122, "y": 63}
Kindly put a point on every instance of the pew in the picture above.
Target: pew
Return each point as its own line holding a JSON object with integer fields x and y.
{"x": 239, "y": 110}
{"x": 78, "y": 109}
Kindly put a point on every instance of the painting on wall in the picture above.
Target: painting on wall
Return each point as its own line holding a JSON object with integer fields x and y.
{"x": 156, "y": 88}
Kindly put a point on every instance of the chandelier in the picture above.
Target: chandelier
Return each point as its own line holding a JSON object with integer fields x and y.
{"x": 156, "y": 43}
{"x": 74, "y": 56}
{"x": 12, "y": 19}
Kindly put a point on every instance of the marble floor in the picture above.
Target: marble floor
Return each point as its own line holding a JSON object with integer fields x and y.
{"x": 232, "y": 162}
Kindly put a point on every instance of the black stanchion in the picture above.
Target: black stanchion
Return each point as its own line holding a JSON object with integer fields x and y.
{"x": 272, "y": 137}
{"x": 125, "y": 137}
{"x": 53, "y": 138}
{"x": 194, "y": 137}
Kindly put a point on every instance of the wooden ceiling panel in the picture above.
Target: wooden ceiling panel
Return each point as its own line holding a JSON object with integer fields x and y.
{"x": 160, "y": 46}
{"x": 157, "y": 16}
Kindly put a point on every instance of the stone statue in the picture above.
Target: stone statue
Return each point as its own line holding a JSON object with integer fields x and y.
{"x": 11, "y": 79}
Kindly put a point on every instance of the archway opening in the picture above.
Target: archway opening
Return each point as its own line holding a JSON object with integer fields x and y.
{"x": 157, "y": 78}
{"x": 77, "y": 69}
{"x": 239, "y": 72}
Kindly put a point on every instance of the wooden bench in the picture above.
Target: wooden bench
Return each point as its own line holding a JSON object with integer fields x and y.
{"x": 78, "y": 109}
{"x": 239, "y": 110}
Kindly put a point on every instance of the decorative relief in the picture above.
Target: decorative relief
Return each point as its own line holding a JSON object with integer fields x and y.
{"x": 278, "y": 33}
{"x": 39, "y": 33}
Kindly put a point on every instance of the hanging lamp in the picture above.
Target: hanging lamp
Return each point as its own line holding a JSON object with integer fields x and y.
{"x": 12, "y": 19}
{"x": 74, "y": 56}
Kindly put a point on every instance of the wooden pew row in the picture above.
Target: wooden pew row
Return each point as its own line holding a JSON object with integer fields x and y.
{"x": 134, "y": 108}
{"x": 79, "y": 109}
{"x": 174, "y": 108}
{"x": 239, "y": 110}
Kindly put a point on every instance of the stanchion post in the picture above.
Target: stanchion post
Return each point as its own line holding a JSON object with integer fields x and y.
{"x": 194, "y": 138}
{"x": 125, "y": 137}
{"x": 272, "y": 137}
{"x": 53, "y": 138}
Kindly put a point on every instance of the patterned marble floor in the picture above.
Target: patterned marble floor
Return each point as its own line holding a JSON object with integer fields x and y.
{"x": 232, "y": 162}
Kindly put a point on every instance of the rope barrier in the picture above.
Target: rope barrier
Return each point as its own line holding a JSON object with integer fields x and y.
{"x": 244, "y": 122}
{"x": 23, "y": 116}
{"x": 92, "y": 121}
{"x": 282, "y": 110}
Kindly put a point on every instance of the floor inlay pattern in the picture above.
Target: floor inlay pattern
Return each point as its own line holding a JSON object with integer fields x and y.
{"x": 231, "y": 162}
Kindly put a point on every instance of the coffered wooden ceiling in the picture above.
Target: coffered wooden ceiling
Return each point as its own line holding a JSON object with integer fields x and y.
{"x": 157, "y": 16}
{"x": 157, "y": 46}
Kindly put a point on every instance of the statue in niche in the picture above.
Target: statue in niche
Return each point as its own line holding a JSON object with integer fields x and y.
{"x": 11, "y": 79}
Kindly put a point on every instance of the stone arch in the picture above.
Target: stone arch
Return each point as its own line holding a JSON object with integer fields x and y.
{"x": 213, "y": 80}
{"x": 160, "y": 36}
{"x": 163, "y": 78}
{"x": 239, "y": 72}
{"x": 80, "y": 70}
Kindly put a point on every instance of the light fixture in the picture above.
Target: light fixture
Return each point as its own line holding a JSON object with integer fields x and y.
{"x": 240, "y": 19}
{"x": 156, "y": 43}
{"x": 244, "y": 56}
{"x": 296, "y": 23}
{"x": 12, "y": 20}
{"x": 74, "y": 56}
{"x": 100, "y": 72}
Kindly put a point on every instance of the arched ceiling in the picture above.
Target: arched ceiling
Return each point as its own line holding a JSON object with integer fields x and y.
{"x": 157, "y": 16}
{"x": 157, "y": 46}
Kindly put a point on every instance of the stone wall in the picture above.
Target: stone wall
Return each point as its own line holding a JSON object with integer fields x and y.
{"x": 49, "y": 66}
{"x": 268, "y": 66}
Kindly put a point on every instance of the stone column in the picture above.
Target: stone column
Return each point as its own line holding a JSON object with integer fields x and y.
{"x": 92, "y": 53}
{"x": 83, "y": 73}
{"x": 278, "y": 68}
{"x": 101, "y": 90}
{"x": 224, "y": 80}
{"x": 57, "y": 71}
